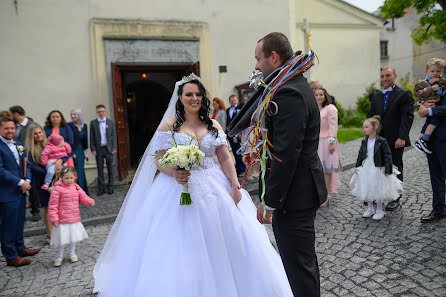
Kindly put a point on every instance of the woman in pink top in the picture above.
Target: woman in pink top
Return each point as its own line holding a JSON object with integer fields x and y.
{"x": 328, "y": 149}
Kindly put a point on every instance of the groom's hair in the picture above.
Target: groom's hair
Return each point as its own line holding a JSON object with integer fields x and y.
{"x": 279, "y": 43}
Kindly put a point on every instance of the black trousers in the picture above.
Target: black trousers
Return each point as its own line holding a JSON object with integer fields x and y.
{"x": 295, "y": 237}
{"x": 34, "y": 200}
{"x": 437, "y": 171}
{"x": 397, "y": 159}
{"x": 101, "y": 154}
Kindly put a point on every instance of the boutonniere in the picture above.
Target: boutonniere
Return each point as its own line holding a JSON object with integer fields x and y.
{"x": 20, "y": 149}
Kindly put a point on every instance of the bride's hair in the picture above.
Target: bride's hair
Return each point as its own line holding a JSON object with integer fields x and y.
{"x": 203, "y": 113}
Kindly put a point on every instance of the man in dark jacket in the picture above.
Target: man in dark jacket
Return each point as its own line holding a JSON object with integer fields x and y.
{"x": 437, "y": 160}
{"x": 395, "y": 107}
{"x": 231, "y": 113}
{"x": 295, "y": 186}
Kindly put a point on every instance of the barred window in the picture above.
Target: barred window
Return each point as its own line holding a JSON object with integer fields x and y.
{"x": 383, "y": 49}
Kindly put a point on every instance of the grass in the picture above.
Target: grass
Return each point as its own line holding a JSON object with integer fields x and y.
{"x": 348, "y": 134}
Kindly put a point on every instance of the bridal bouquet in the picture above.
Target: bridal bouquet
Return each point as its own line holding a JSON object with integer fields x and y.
{"x": 183, "y": 157}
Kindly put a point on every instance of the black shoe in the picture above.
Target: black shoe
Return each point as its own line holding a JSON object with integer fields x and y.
{"x": 422, "y": 146}
{"x": 433, "y": 217}
{"x": 393, "y": 205}
{"x": 110, "y": 191}
{"x": 100, "y": 192}
{"x": 36, "y": 217}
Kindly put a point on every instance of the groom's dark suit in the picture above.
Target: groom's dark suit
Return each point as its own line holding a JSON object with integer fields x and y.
{"x": 295, "y": 186}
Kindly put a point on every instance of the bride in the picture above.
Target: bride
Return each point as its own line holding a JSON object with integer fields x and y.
{"x": 213, "y": 247}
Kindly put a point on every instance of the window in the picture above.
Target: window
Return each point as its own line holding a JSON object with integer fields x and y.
{"x": 383, "y": 49}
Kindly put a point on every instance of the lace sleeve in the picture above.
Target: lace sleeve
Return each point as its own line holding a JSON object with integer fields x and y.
{"x": 162, "y": 141}
{"x": 221, "y": 139}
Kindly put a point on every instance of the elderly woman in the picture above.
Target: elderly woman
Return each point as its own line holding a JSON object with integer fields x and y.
{"x": 56, "y": 124}
{"x": 34, "y": 144}
{"x": 219, "y": 112}
{"x": 80, "y": 146}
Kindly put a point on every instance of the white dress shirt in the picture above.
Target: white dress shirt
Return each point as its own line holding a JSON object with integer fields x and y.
{"x": 102, "y": 128}
{"x": 15, "y": 152}
{"x": 231, "y": 111}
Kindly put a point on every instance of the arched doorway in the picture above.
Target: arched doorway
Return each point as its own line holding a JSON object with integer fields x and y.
{"x": 141, "y": 95}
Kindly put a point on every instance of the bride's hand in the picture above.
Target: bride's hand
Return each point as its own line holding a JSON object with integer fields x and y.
{"x": 182, "y": 176}
{"x": 236, "y": 194}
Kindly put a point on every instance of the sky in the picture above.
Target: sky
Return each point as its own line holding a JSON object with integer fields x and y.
{"x": 367, "y": 5}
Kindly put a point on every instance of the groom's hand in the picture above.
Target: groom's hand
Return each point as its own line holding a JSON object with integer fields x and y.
{"x": 267, "y": 219}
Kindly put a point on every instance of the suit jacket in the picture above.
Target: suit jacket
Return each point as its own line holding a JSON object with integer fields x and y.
{"x": 439, "y": 113}
{"x": 237, "y": 110}
{"x": 110, "y": 135}
{"x": 398, "y": 117}
{"x": 382, "y": 156}
{"x": 78, "y": 140}
{"x": 297, "y": 181}
{"x": 21, "y": 135}
{"x": 11, "y": 174}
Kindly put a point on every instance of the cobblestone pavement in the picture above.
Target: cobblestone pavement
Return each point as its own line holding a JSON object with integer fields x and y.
{"x": 397, "y": 256}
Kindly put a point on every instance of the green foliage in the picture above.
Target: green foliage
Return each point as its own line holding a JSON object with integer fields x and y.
{"x": 363, "y": 102}
{"x": 405, "y": 83}
{"x": 341, "y": 111}
{"x": 432, "y": 23}
{"x": 348, "y": 134}
{"x": 352, "y": 118}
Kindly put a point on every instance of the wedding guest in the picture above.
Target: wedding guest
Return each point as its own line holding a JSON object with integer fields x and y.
{"x": 395, "y": 107}
{"x": 103, "y": 146}
{"x": 80, "y": 147}
{"x": 328, "y": 149}
{"x": 231, "y": 112}
{"x": 34, "y": 144}
{"x": 317, "y": 85}
{"x": 65, "y": 215}
{"x": 56, "y": 124}
{"x": 5, "y": 114}
{"x": 219, "y": 112}
{"x": 22, "y": 124}
{"x": 374, "y": 180}
{"x": 14, "y": 182}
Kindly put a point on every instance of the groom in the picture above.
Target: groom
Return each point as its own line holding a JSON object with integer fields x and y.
{"x": 295, "y": 186}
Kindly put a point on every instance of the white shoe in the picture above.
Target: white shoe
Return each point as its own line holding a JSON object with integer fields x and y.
{"x": 73, "y": 259}
{"x": 378, "y": 216}
{"x": 57, "y": 262}
{"x": 368, "y": 213}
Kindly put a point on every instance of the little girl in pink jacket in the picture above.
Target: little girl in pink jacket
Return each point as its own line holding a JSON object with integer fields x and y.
{"x": 64, "y": 214}
{"x": 56, "y": 148}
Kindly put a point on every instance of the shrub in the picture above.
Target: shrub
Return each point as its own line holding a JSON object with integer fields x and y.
{"x": 363, "y": 102}
{"x": 405, "y": 83}
{"x": 352, "y": 118}
{"x": 341, "y": 111}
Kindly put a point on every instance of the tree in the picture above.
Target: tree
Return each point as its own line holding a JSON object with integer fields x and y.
{"x": 432, "y": 23}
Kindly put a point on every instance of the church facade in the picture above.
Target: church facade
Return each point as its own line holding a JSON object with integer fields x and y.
{"x": 127, "y": 55}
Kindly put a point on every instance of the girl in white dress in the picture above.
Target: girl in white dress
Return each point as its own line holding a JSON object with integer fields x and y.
{"x": 213, "y": 247}
{"x": 375, "y": 178}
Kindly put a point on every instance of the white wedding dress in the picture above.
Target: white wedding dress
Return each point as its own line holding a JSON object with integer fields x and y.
{"x": 207, "y": 249}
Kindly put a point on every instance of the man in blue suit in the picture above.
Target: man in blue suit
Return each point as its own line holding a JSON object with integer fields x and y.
{"x": 13, "y": 185}
{"x": 231, "y": 112}
{"x": 437, "y": 160}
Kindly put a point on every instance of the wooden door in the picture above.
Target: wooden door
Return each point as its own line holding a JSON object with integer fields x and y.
{"x": 118, "y": 103}
{"x": 195, "y": 68}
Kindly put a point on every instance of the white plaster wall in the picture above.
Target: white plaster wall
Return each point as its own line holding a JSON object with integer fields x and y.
{"x": 346, "y": 41}
{"x": 46, "y": 56}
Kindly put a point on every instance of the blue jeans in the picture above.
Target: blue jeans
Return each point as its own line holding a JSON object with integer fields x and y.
{"x": 49, "y": 173}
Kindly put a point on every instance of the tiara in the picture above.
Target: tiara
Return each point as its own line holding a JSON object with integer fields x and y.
{"x": 189, "y": 78}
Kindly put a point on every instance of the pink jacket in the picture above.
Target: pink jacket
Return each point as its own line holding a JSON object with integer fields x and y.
{"x": 54, "y": 152}
{"x": 64, "y": 203}
{"x": 329, "y": 121}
